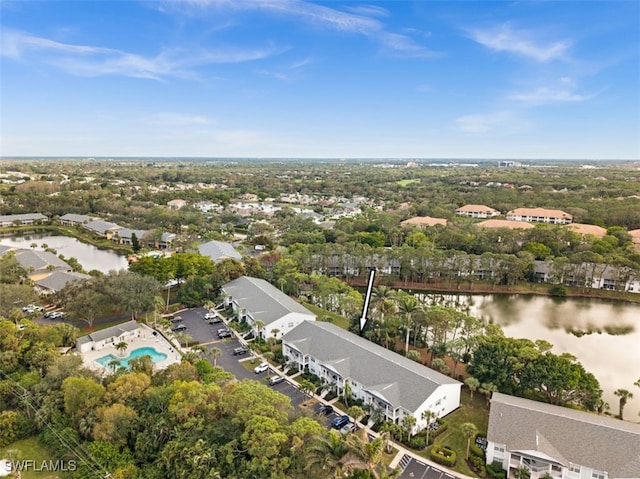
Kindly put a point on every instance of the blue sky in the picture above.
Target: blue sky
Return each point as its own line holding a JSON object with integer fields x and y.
{"x": 288, "y": 78}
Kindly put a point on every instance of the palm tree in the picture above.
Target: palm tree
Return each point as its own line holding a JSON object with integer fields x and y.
{"x": 323, "y": 458}
{"x": 259, "y": 327}
{"x": 346, "y": 393}
{"x": 469, "y": 429}
{"x": 408, "y": 423}
{"x": 522, "y": 472}
{"x": 428, "y": 416}
{"x": 121, "y": 346}
{"x": 624, "y": 395}
{"x": 213, "y": 354}
{"x": 473, "y": 384}
{"x": 488, "y": 389}
{"x": 408, "y": 307}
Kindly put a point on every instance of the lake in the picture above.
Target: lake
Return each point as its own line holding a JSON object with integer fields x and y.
{"x": 87, "y": 255}
{"x": 613, "y": 359}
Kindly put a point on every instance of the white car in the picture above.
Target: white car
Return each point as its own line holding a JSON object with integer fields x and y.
{"x": 210, "y": 316}
{"x": 260, "y": 368}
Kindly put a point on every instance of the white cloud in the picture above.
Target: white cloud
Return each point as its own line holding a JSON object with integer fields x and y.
{"x": 359, "y": 21}
{"x": 485, "y": 123}
{"x": 561, "y": 91}
{"x": 84, "y": 60}
{"x": 503, "y": 38}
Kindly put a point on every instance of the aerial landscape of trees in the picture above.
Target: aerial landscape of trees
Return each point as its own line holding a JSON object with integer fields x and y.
{"x": 193, "y": 419}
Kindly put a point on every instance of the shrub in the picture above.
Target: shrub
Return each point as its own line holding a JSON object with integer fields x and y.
{"x": 444, "y": 455}
{"x": 558, "y": 291}
{"x": 477, "y": 464}
{"x": 495, "y": 470}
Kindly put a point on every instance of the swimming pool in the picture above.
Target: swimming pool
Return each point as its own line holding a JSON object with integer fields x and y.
{"x": 156, "y": 357}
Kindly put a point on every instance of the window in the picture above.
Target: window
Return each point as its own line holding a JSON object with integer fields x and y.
{"x": 598, "y": 475}
{"x": 498, "y": 448}
{"x": 574, "y": 468}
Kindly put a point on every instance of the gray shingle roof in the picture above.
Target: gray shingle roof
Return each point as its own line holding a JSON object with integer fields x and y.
{"x": 100, "y": 226}
{"x": 58, "y": 279}
{"x": 116, "y": 330}
{"x": 23, "y": 217}
{"x": 567, "y": 435}
{"x": 39, "y": 260}
{"x": 219, "y": 250}
{"x": 77, "y": 218}
{"x": 263, "y": 301}
{"x": 401, "y": 381}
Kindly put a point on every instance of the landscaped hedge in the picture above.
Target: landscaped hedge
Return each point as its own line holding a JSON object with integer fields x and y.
{"x": 495, "y": 470}
{"x": 443, "y": 455}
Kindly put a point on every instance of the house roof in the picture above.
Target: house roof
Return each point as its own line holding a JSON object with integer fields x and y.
{"x": 113, "y": 331}
{"x": 39, "y": 260}
{"x": 22, "y": 217}
{"x": 128, "y": 233}
{"x": 219, "y": 250}
{"x": 59, "y": 279}
{"x": 100, "y": 226}
{"x": 263, "y": 301}
{"x": 398, "y": 380}
{"x": 566, "y": 435}
{"x": 77, "y": 218}
{"x": 585, "y": 229}
{"x": 539, "y": 212}
{"x": 477, "y": 208}
{"x": 424, "y": 221}
{"x": 505, "y": 224}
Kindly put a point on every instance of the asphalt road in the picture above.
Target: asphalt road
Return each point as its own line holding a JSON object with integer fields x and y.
{"x": 415, "y": 469}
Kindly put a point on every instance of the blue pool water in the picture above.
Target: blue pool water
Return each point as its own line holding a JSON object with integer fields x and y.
{"x": 156, "y": 357}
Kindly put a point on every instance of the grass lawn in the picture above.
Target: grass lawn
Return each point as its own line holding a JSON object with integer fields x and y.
{"x": 323, "y": 313}
{"x": 31, "y": 450}
{"x": 404, "y": 183}
{"x": 475, "y": 412}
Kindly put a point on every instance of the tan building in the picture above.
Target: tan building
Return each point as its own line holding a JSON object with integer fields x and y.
{"x": 585, "y": 229}
{"x": 177, "y": 204}
{"x": 540, "y": 215}
{"x": 635, "y": 237}
{"x": 477, "y": 211}
{"x": 423, "y": 221}
{"x": 505, "y": 224}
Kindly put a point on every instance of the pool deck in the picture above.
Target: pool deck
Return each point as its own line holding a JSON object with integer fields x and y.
{"x": 146, "y": 339}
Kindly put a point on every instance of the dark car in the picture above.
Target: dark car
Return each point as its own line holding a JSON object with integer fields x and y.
{"x": 240, "y": 351}
{"x": 224, "y": 334}
{"x": 178, "y": 328}
{"x": 323, "y": 409}
{"x": 340, "y": 422}
{"x": 176, "y": 319}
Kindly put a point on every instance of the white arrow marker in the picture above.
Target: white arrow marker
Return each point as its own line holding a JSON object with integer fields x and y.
{"x": 367, "y": 299}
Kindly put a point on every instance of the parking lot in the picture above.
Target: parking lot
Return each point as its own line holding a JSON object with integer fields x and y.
{"x": 203, "y": 332}
{"x": 415, "y": 469}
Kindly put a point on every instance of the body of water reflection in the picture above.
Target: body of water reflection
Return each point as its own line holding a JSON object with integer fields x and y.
{"x": 88, "y": 256}
{"x": 614, "y": 359}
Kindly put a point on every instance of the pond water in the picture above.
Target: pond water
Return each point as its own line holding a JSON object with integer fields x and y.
{"x": 88, "y": 256}
{"x": 609, "y": 347}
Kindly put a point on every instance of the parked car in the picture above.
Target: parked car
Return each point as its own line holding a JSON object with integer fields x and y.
{"x": 176, "y": 319}
{"x": 323, "y": 409}
{"x": 275, "y": 380}
{"x": 49, "y": 314}
{"x": 260, "y": 368}
{"x": 180, "y": 327}
{"x": 347, "y": 428}
{"x": 340, "y": 422}
{"x": 55, "y": 315}
{"x": 215, "y": 320}
{"x": 240, "y": 351}
{"x": 224, "y": 334}
{"x": 31, "y": 308}
{"x": 210, "y": 316}
{"x": 223, "y": 330}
